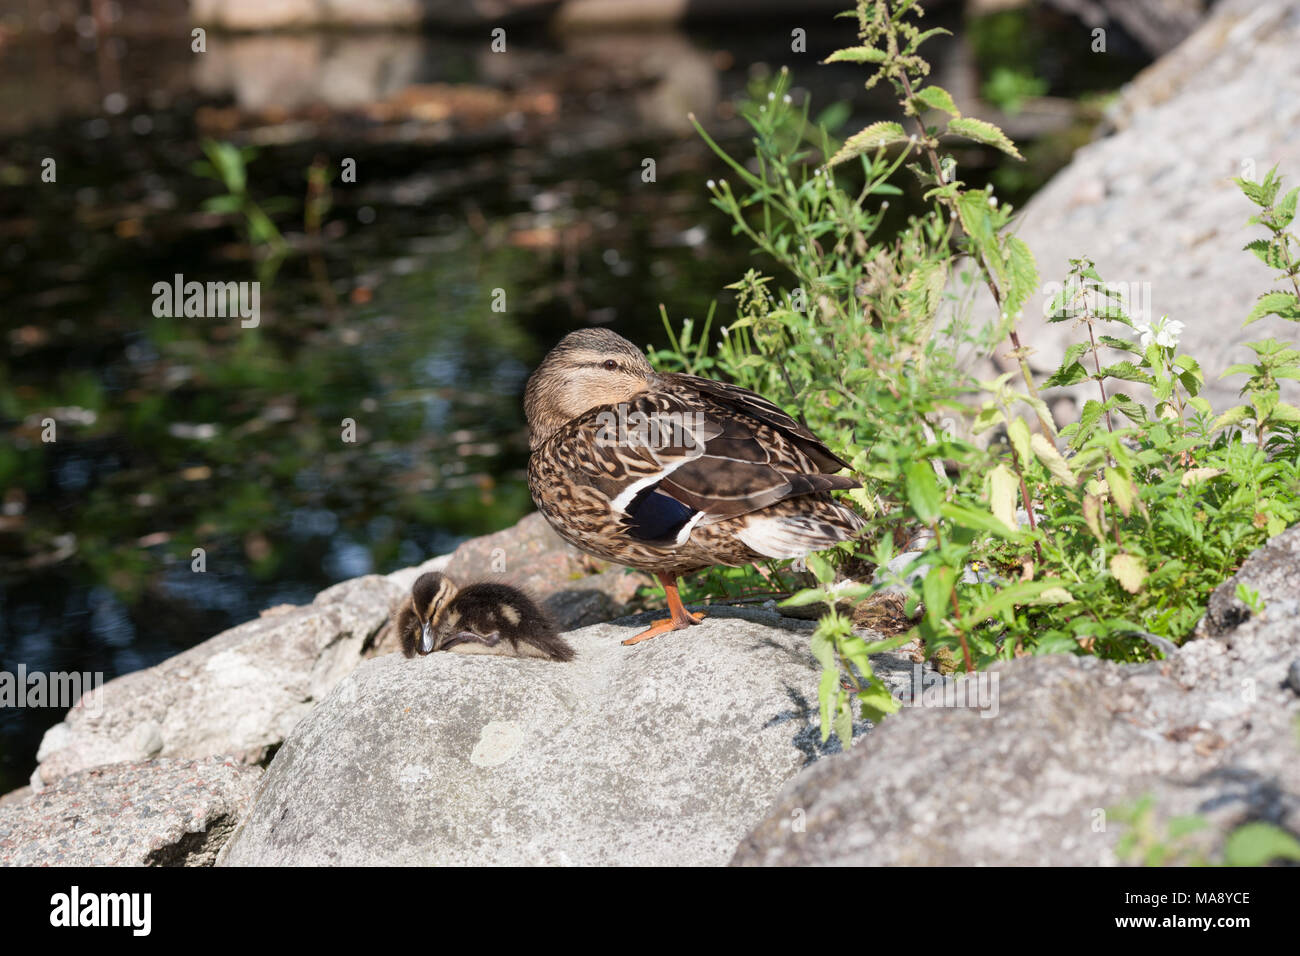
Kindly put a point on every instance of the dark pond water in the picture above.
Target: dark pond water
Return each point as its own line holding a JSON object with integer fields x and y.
{"x": 475, "y": 172}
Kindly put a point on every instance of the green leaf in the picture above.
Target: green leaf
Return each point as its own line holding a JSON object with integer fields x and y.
{"x": 821, "y": 569}
{"x": 1285, "y": 413}
{"x": 857, "y": 54}
{"x": 923, "y": 492}
{"x": 975, "y": 520}
{"x": 872, "y": 137}
{"x": 1022, "y": 273}
{"x": 1284, "y": 210}
{"x": 1121, "y": 489}
{"x": 1129, "y": 571}
{"x": 1071, "y": 374}
{"x": 1258, "y": 844}
{"x": 1233, "y": 416}
{"x": 1123, "y": 344}
{"x": 1023, "y": 592}
{"x": 1003, "y": 487}
{"x": 936, "y": 591}
{"x": 1267, "y": 251}
{"x": 937, "y": 98}
{"x": 1128, "y": 372}
{"x": 1130, "y": 408}
{"x": 877, "y": 702}
{"x": 1284, "y": 304}
{"x": 1053, "y": 459}
{"x": 983, "y": 132}
{"x": 804, "y": 597}
{"x": 1018, "y": 435}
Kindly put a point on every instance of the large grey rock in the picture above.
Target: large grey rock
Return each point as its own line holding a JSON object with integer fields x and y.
{"x": 1209, "y": 732}
{"x": 662, "y": 753}
{"x": 1154, "y": 203}
{"x": 238, "y": 694}
{"x": 152, "y": 813}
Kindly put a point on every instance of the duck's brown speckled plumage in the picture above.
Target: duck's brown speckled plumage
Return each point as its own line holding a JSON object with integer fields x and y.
{"x": 738, "y": 481}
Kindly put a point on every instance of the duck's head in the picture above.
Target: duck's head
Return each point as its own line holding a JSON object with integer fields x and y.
{"x": 587, "y": 369}
{"x": 430, "y": 596}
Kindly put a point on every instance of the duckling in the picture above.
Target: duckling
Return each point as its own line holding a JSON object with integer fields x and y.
{"x": 673, "y": 473}
{"x": 476, "y": 619}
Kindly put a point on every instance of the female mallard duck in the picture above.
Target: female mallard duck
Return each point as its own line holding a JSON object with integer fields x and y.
{"x": 671, "y": 473}
{"x": 476, "y": 619}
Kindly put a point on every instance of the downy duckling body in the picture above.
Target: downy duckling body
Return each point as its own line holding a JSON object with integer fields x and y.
{"x": 476, "y": 619}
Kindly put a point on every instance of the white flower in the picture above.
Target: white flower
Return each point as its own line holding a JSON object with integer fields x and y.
{"x": 1165, "y": 333}
{"x": 787, "y": 98}
{"x": 710, "y": 184}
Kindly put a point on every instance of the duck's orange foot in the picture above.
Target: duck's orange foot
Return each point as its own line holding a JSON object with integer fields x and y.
{"x": 664, "y": 626}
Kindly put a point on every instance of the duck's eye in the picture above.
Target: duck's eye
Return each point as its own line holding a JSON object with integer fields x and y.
{"x": 610, "y": 365}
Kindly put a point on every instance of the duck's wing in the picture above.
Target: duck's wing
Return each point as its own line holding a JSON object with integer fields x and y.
{"x": 676, "y": 457}
{"x": 745, "y": 402}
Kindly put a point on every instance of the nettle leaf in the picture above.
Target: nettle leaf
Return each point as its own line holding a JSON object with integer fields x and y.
{"x": 1053, "y": 459}
{"x": 872, "y": 137}
{"x": 1074, "y": 353}
{"x": 1284, "y": 304}
{"x": 1129, "y": 571}
{"x": 857, "y": 54}
{"x": 985, "y": 133}
{"x": 1267, "y": 251}
{"x": 973, "y": 208}
{"x": 1130, "y": 408}
{"x": 1284, "y": 211}
{"x": 1071, "y": 374}
{"x": 937, "y": 98}
{"x": 978, "y": 521}
{"x": 1095, "y": 517}
{"x": 1022, "y": 271}
{"x": 1128, "y": 372}
{"x": 1056, "y": 309}
{"x": 1233, "y": 416}
{"x": 1285, "y": 413}
{"x": 1261, "y": 194}
{"x": 1121, "y": 490}
{"x": 1123, "y": 344}
{"x": 1018, "y": 435}
{"x": 1194, "y": 475}
{"x": 923, "y": 492}
{"x": 989, "y": 416}
{"x": 936, "y": 591}
{"x": 1003, "y": 486}
{"x": 1258, "y": 844}
{"x": 1023, "y": 592}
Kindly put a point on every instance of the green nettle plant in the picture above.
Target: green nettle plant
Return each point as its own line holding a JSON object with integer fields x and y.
{"x": 1105, "y": 537}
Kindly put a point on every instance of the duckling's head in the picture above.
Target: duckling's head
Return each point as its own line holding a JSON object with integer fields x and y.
{"x": 430, "y": 596}
{"x": 587, "y": 369}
